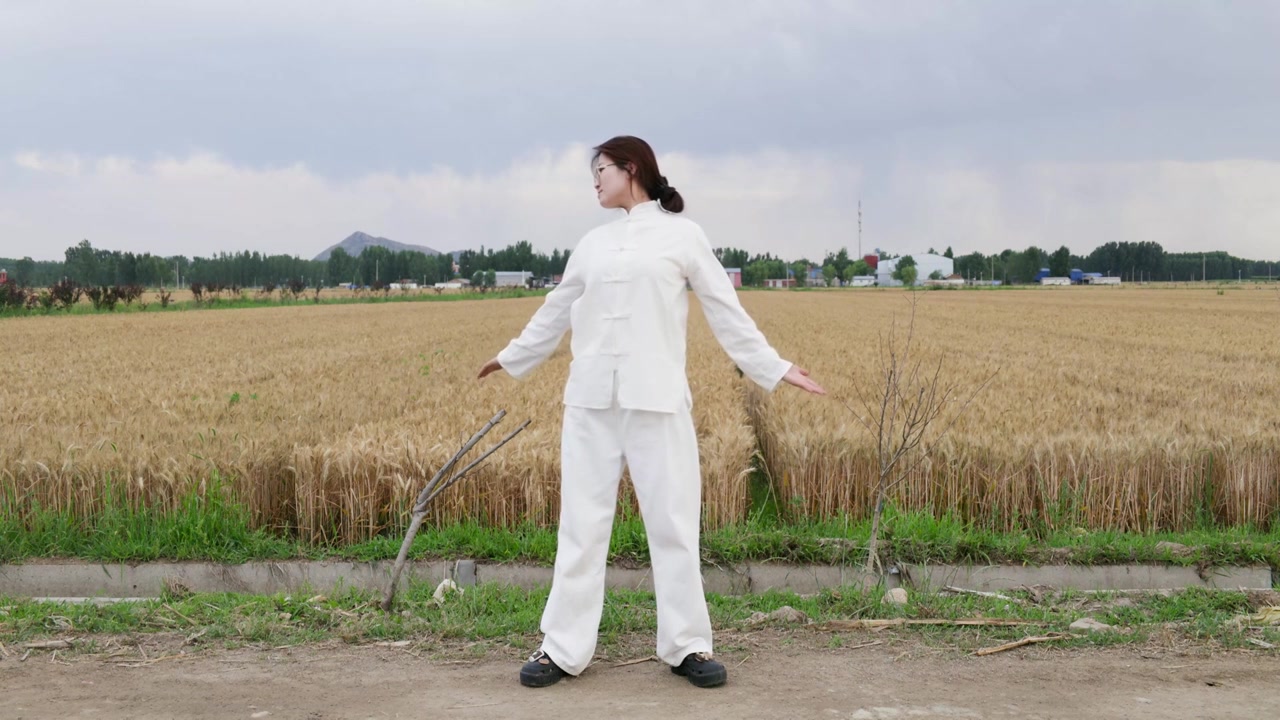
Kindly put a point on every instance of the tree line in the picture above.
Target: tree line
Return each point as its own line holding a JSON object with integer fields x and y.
{"x": 90, "y": 266}
{"x": 1132, "y": 261}
{"x": 758, "y": 268}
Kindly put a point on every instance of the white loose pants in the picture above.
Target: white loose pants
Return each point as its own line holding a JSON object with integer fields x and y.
{"x": 661, "y": 450}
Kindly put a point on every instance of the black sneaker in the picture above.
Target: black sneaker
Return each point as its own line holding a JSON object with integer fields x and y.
{"x": 540, "y": 671}
{"x": 701, "y": 670}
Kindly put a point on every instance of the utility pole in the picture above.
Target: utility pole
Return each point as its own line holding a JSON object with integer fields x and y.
{"x": 859, "y": 228}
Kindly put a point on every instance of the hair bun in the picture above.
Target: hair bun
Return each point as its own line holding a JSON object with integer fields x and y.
{"x": 665, "y": 191}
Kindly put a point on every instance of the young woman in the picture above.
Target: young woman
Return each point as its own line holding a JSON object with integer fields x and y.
{"x": 627, "y": 400}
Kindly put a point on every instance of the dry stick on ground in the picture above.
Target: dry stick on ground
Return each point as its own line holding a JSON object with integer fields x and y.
{"x": 980, "y": 593}
{"x": 651, "y": 658}
{"x": 436, "y": 486}
{"x": 865, "y": 645}
{"x": 910, "y": 400}
{"x": 49, "y": 645}
{"x": 1024, "y": 641}
{"x": 878, "y": 623}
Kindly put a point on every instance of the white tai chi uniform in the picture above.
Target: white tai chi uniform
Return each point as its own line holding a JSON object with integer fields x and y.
{"x": 628, "y": 401}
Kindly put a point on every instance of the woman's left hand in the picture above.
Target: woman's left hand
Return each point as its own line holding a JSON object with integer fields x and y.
{"x": 799, "y": 377}
{"x": 489, "y": 368}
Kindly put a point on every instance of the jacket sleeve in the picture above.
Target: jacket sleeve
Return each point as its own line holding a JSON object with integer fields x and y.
{"x": 733, "y": 328}
{"x": 548, "y": 325}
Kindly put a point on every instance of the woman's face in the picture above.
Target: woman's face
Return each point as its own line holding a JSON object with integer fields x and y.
{"x": 613, "y": 184}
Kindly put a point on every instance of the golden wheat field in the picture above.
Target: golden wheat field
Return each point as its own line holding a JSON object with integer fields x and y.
{"x": 1111, "y": 408}
{"x": 1128, "y": 409}
{"x": 326, "y": 419}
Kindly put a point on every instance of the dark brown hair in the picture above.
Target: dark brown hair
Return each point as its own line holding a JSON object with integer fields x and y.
{"x": 635, "y": 156}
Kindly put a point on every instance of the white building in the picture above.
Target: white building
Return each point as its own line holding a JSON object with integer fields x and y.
{"x": 861, "y": 281}
{"x": 513, "y": 278}
{"x": 926, "y": 265}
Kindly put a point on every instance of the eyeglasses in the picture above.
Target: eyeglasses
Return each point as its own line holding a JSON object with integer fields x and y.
{"x": 595, "y": 172}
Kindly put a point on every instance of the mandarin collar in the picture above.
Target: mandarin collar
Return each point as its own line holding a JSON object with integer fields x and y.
{"x": 644, "y": 209}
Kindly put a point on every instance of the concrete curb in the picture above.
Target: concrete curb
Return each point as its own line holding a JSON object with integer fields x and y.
{"x": 86, "y": 580}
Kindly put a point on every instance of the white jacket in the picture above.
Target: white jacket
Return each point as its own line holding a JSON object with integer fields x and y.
{"x": 624, "y": 296}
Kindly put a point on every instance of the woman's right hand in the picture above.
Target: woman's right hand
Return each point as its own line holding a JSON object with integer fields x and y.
{"x": 489, "y": 368}
{"x": 799, "y": 377}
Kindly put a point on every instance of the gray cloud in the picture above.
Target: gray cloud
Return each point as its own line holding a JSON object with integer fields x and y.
{"x": 996, "y": 102}
{"x": 200, "y": 204}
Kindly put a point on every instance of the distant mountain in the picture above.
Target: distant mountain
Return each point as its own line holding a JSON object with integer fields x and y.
{"x": 356, "y": 242}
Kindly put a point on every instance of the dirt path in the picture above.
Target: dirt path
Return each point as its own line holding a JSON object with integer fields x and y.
{"x": 767, "y": 680}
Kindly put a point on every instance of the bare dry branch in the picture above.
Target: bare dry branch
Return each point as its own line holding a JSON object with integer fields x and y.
{"x": 444, "y": 469}
{"x": 433, "y": 489}
{"x": 463, "y": 472}
{"x": 911, "y": 398}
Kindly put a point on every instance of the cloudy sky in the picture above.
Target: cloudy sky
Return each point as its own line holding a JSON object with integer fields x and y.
{"x": 198, "y": 126}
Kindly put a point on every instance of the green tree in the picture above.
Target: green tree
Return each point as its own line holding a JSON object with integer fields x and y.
{"x": 800, "y": 271}
{"x": 829, "y": 274}
{"x": 906, "y": 268}
{"x": 82, "y": 263}
{"x": 1060, "y": 262}
{"x": 842, "y": 261}
{"x": 1023, "y": 266}
{"x": 444, "y": 267}
{"x": 340, "y": 268}
{"x": 907, "y": 275}
{"x": 732, "y": 257}
{"x": 375, "y": 265}
{"x": 468, "y": 263}
{"x": 24, "y": 271}
{"x": 975, "y": 266}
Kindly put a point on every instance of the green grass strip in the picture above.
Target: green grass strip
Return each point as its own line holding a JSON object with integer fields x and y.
{"x": 510, "y": 616}
{"x": 214, "y": 529}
